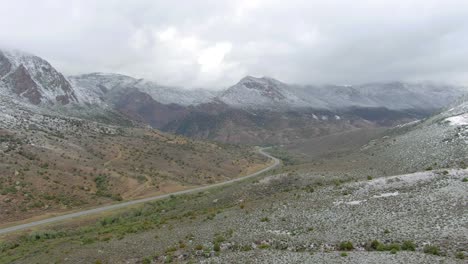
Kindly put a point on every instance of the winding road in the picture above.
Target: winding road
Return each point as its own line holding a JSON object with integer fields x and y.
{"x": 3, "y": 231}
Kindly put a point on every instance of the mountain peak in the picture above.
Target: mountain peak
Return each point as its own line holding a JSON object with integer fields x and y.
{"x": 32, "y": 78}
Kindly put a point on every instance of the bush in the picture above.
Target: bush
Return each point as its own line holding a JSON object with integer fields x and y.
{"x": 465, "y": 179}
{"x": 344, "y": 254}
{"x": 460, "y": 255}
{"x": 246, "y": 248}
{"x": 264, "y": 219}
{"x": 217, "y": 247}
{"x": 393, "y": 251}
{"x": 198, "y": 247}
{"x": 433, "y": 250}
{"x": 408, "y": 245}
{"x": 381, "y": 247}
{"x": 394, "y": 246}
{"x": 264, "y": 246}
{"x": 346, "y": 245}
{"x": 374, "y": 245}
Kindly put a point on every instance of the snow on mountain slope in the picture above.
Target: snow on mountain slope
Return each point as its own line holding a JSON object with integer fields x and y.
{"x": 258, "y": 93}
{"x": 93, "y": 87}
{"x": 97, "y": 85}
{"x": 394, "y": 95}
{"x": 268, "y": 93}
{"x": 176, "y": 95}
{"x": 33, "y": 79}
{"x": 438, "y": 142}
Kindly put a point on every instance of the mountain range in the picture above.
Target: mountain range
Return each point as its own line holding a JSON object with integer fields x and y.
{"x": 255, "y": 110}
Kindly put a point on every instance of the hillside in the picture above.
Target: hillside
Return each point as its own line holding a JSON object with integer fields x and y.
{"x": 54, "y": 162}
{"x": 267, "y": 111}
{"x": 33, "y": 79}
{"x": 320, "y": 214}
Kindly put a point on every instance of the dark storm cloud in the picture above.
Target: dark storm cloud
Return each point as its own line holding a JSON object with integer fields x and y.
{"x": 213, "y": 43}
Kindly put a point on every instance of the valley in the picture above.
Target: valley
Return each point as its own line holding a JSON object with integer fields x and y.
{"x": 107, "y": 168}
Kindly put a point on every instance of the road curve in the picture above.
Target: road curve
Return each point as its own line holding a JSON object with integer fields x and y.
{"x": 3, "y": 231}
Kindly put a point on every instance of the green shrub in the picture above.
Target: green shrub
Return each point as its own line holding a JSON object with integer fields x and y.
{"x": 460, "y": 255}
{"x": 264, "y": 219}
{"x": 433, "y": 250}
{"x": 264, "y": 246}
{"x": 199, "y": 247}
{"x": 346, "y": 245}
{"x": 374, "y": 245}
{"x": 408, "y": 245}
{"x": 344, "y": 254}
{"x": 381, "y": 247}
{"x": 217, "y": 247}
{"x": 394, "y": 246}
{"x": 465, "y": 179}
{"x": 246, "y": 248}
{"x": 393, "y": 251}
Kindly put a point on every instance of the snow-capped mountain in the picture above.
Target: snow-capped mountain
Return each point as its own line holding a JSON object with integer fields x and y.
{"x": 94, "y": 87}
{"x": 259, "y": 93}
{"x": 268, "y": 93}
{"x": 97, "y": 87}
{"x": 33, "y": 79}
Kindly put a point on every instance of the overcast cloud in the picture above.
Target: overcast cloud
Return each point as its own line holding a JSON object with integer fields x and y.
{"x": 214, "y": 43}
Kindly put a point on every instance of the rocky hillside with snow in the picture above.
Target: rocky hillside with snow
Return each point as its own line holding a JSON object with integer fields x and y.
{"x": 438, "y": 142}
{"x": 265, "y": 93}
{"x": 268, "y": 93}
{"x": 105, "y": 88}
{"x": 255, "y": 110}
{"x": 33, "y": 79}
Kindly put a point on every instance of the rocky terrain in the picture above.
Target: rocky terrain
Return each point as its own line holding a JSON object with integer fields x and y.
{"x": 414, "y": 218}
{"x": 334, "y": 212}
{"x": 33, "y": 79}
{"x": 265, "y": 110}
{"x": 57, "y": 159}
{"x": 366, "y": 177}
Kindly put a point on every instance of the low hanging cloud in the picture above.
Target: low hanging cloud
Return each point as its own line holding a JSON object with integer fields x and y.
{"x": 214, "y": 43}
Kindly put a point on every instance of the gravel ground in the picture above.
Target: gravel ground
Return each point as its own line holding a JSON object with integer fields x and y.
{"x": 300, "y": 226}
{"x": 269, "y": 256}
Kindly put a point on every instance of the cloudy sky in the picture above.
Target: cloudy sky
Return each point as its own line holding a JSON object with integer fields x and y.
{"x": 214, "y": 43}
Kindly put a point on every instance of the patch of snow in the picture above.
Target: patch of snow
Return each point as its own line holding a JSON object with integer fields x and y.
{"x": 357, "y": 202}
{"x": 386, "y": 195}
{"x": 459, "y": 120}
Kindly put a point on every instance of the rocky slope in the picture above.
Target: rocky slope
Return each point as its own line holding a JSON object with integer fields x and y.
{"x": 104, "y": 86}
{"x": 33, "y": 79}
{"x": 264, "y": 110}
{"x": 440, "y": 141}
{"x": 57, "y": 159}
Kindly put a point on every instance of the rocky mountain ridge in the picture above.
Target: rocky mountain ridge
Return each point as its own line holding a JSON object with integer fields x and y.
{"x": 33, "y": 79}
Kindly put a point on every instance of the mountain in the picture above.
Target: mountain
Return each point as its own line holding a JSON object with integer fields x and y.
{"x": 268, "y": 93}
{"x": 438, "y": 142}
{"x": 98, "y": 86}
{"x": 253, "y": 111}
{"x": 265, "y": 110}
{"x": 33, "y": 79}
{"x": 60, "y": 158}
{"x": 262, "y": 93}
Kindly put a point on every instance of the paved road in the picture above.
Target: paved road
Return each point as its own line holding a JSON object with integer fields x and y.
{"x": 144, "y": 200}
